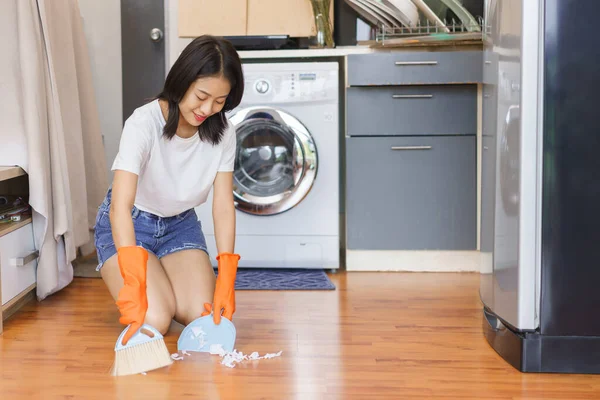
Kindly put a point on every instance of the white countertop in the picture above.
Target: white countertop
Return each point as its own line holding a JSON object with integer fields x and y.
{"x": 341, "y": 51}
{"x": 335, "y": 52}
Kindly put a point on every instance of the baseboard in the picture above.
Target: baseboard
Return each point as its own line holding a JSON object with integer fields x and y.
{"x": 413, "y": 261}
{"x": 18, "y": 301}
{"x": 486, "y": 265}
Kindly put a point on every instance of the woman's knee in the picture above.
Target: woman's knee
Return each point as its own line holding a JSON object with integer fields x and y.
{"x": 193, "y": 281}
{"x": 161, "y": 299}
{"x": 191, "y": 312}
{"x": 159, "y": 318}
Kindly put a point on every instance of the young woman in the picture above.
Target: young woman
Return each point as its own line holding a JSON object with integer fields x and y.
{"x": 151, "y": 250}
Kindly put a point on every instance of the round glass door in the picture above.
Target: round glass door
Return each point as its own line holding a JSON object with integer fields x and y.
{"x": 276, "y": 161}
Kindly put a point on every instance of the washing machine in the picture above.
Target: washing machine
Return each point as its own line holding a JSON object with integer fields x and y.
{"x": 286, "y": 178}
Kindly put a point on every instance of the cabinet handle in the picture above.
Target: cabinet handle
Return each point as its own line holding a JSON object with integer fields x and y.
{"x": 412, "y": 96}
{"x": 405, "y": 63}
{"x": 21, "y": 261}
{"x": 411, "y": 147}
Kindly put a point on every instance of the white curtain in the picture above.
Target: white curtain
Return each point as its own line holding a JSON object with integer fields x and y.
{"x": 52, "y": 128}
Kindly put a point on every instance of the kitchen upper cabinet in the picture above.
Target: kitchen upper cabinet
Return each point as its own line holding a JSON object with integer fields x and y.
{"x": 247, "y": 17}
{"x": 219, "y": 18}
{"x": 277, "y": 17}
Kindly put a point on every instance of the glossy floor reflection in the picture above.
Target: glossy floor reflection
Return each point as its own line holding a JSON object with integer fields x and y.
{"x": 379, "y": 335}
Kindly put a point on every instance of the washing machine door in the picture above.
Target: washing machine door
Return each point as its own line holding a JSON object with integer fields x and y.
{"x": 276, "y": 161}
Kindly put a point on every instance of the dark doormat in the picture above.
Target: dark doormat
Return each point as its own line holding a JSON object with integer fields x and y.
{"x": 282, "y": 279}
{"x": 247, "y": 278}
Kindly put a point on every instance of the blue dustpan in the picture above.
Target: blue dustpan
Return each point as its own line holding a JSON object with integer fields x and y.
{"x": 201, "y": 333}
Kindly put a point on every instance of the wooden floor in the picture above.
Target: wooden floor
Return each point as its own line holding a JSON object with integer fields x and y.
{"x": 386, "y": 335}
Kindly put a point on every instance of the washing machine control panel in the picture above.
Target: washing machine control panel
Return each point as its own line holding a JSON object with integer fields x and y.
{"x": 290, "y": 86}
{"x": 262, "y": 86}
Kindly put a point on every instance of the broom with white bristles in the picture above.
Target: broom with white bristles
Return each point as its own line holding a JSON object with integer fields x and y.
{"x": 140, "y": 347}
{"x": 145, "y": 351}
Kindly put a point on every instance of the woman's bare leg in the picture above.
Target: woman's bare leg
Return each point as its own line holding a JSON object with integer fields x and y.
{"x": 161, "y": 301}
{"x": 193, "y": 281}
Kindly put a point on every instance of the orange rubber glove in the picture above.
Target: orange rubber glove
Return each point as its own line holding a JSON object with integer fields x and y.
{"x": 132, "y": 300}
{"x": 224, "y": 298}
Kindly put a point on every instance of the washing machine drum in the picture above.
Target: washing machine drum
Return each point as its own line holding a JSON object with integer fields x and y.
{"x": 276, "y": 161}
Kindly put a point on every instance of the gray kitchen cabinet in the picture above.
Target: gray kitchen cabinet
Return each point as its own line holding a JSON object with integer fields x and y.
{"x": 411, "y": 151}
{"x": 411, "y": 193}
{"x": 412, "y": 110}
{"x": 415, "y": 68}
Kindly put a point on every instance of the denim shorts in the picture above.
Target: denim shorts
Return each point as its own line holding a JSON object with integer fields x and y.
{"x": 159, "y": 235}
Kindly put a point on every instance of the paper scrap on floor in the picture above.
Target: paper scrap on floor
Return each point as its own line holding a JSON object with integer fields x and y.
{"x": 229, "y": 359}
{"x": 234, "y": 357}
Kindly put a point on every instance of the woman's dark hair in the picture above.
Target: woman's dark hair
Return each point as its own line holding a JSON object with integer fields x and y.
{"x": 205, "y": 56}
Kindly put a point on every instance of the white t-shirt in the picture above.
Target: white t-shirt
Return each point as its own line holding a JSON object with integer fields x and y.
{"x": 174, "y": 174}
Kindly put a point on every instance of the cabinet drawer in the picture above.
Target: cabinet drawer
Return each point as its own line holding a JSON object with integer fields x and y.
{"x": 414, "y": 193}
{"x": 14, "y": 247}
{"x": 412, "y": 110}
{"x": 414, "y": 68}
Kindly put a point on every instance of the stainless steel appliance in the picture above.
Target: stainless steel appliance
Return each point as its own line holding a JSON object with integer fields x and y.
{"x": 541, "y": 184}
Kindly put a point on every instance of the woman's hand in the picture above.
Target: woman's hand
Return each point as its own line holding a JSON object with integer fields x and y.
{"x": 224, "y": 298}
{"x": 132, "y": 300}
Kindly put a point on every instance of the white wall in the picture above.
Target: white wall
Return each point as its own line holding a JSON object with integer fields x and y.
{"x": 102, "y": 26}
{"x": 174, "y": 45}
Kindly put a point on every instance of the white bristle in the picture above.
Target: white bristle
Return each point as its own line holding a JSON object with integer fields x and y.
{"x": 141, "y": 358}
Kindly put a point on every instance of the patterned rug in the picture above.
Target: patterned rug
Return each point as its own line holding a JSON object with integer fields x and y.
{"x": 282, "y": 279}
{"x": 247, "y": 278}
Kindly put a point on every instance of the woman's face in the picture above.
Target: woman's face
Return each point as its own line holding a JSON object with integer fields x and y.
{"x": 205, "y": 97}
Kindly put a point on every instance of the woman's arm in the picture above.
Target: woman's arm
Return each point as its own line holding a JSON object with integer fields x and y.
{"x": 132, "y": 300}
{"x": 224, "y": 221}
{"x": 224, "y": 212}
{"x": 124, "y": 188}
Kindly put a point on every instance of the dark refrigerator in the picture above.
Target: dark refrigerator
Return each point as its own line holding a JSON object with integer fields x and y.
{"x": 540, "y": 182}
